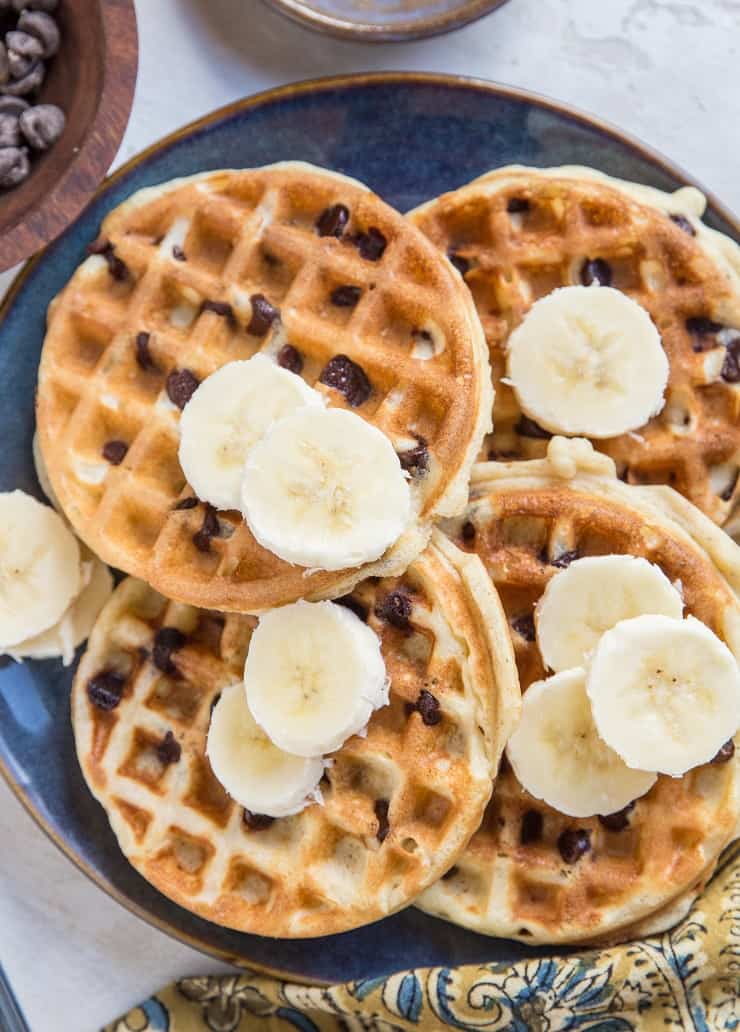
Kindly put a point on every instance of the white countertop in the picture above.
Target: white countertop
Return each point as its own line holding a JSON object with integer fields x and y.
{"x": 665, "y": 70}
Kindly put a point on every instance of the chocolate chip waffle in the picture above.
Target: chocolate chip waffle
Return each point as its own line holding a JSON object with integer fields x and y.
{"x": 305, "y": 265}
{"x": 398, "y": 805}
{"x": 531, "y": 873}
{"x": 519, "y": 233}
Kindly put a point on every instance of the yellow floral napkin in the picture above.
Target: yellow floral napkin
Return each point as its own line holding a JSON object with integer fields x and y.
{"x": 686, "y": 979}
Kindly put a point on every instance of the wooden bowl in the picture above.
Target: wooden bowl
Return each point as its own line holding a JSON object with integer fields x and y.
{"x": 92, "y": 79}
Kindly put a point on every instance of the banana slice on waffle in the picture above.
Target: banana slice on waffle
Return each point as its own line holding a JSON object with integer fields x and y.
{"x": 535, "y": 872}
{"x": 518, "y": 235}
{"x": 309, "y": 270}
{"x": 395, "y": 808}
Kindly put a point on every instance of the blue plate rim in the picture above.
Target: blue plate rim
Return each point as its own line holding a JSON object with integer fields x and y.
{"x": 252, "y": 102}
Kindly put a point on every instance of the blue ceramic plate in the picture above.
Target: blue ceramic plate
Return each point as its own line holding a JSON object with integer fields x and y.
{"x": 409, "y": 137}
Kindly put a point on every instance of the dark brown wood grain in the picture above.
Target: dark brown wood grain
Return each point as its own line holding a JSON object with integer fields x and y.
{"x": 92, "y": 78}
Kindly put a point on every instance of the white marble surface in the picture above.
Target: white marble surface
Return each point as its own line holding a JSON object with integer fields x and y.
{"x": 663, "y": 69}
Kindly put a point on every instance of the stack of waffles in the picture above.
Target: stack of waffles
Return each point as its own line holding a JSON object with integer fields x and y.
{"x": 429, "y": 594}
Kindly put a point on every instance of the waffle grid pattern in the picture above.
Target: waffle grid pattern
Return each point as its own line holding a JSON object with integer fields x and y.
{"x": 513, "y": 880}
{"x": 521, "y": 235}
{"x": 333, "y": 866}
{"x": 241, "y": 235}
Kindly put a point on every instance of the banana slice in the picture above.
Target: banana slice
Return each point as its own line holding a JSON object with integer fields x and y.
{"x": 557, "y": 755}
{"x": 589, "y": 361}
{"x": 75, "y": 626}
{"x": 324, "y": 489}
{"x": 39, "y": 568}
{"x": 665, "y": 693}
{"x": 254, "y": 772}
{"x": 590, "y": 597}
{"x": 229, "y": 412}
{"x": 314, "y": 675}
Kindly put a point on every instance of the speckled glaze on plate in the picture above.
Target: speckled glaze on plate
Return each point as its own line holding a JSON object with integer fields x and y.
{"x": 385, "y": 21}
{"x": 410, "y": 137}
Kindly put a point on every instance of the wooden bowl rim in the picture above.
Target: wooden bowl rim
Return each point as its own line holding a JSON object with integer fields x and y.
{"x": 71, "y": 192}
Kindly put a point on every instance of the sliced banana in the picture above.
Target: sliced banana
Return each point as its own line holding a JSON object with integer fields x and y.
{"x": 39, "y": 568}
{"x": 588, "y": 360}
{"x": 314, "y": 675}
{"x": 75, "y": 626}
{"x": 557, "y": 755}
{"x": 324, "y": 489}
{"x": 229, "y": 412}
{"x": 254, "y": 772}
{"x": 592, "y": 595}
{"x": 665, "y": 693}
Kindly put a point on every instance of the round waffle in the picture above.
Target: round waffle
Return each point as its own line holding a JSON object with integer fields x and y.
{"x": 519, "y": 233}
{"x": 398, "y": 805}
{"x": 523, "y": 876}
{"x": 305, "y": 265}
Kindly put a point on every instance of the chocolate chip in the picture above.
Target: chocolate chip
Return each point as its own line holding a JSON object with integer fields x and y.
{"x": 371, "y": 244}
{"x": 185, "y": 503}
{"x": 166, "y": 641}
{"x": 524, "y": 625}
{"x": 222, "y": 308}
{"x": 263, "y": 315}
{"x": 290, "y": 358}
{"x": 564, "y": 560}
{"x": 617, "y": 821}
{"x": 527, "y": 427}
{"x": 573, "y": 843}
{"x": 700, "y": 326}
{"x": 209, "y": 529}
{"x": 461, "y": 264}
{"x": 409, "y": 708}
{"x": 257, "y": 821}
{"x": 415, "y": 460}
{"x": 517, "y": 205}
{"x": 351, "y": 603}
{"x": 105, "y": 689}
{"x": 99, "y": 246}
{"x": 42, "y": 125}
{"x": 451, "y": 873}
{"x": 181, "y": 386}
{"x": 731, "y": 365}
{"x": 524, "y": 931}
{"x": 115, "y": 452}
{"x": 116, "y": 266}
{"x": 468, "y": 531}
{"x": 395, "y": 609}
{"x": 333, "y": 221}
{"x": 596, "y": 271}
{"x": 178, "y": 254}
{"x": 346, "y": 296}
{"x": 683, "y": 223}
{"x": 730, "y": 489}
{"x": 428, "y": 706}
{"x": 143, "y": 354}
{"x": 381, "y": 812}
{"x": 169, "y": 750}
{"x": 725, "y": 754}
{"x": 14, "y": 166}
{"x": 348, "y": 378}
{"x": 531, "y": 829}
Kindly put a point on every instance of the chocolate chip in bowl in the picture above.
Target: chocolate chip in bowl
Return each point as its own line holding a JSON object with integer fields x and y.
{"x": 67, "y": 78}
